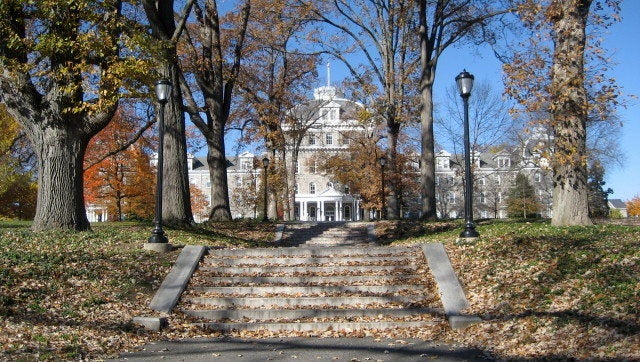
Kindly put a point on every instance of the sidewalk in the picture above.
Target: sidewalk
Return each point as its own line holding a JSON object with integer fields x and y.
{"x": 302, "y": 349}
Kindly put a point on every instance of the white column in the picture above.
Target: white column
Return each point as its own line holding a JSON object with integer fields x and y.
{"x": 339, "y": 212}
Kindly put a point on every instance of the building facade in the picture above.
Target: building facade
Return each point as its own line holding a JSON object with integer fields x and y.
{"x": 494, "y": 173}
{"x": 320, "y": 131}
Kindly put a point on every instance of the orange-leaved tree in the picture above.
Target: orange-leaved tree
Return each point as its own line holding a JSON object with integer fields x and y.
{"x": 359, "y": 168}
{"x": 124, "y": 182}
{"x": 633, "y": 206}
{"x": 199, "y": 203}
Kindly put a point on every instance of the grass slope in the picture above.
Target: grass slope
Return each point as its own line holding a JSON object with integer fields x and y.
{"x": 545, "y": 292}
{"x": 69, "y": 295}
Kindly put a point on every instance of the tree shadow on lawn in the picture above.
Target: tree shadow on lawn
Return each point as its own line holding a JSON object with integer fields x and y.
{"x": 388, "y": 231}
{"x": 623, "y": 327}
{"x": 240, "y": 233}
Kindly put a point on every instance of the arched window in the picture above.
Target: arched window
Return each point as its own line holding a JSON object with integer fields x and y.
{"x": 347, "y": 212}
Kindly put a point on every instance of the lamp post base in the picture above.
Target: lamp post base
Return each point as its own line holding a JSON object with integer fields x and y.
{"x": 158, "y": 241}
{"x": 469, "y": 234}
{"x": 158, "y": 236}
{"x": 158, "y": 247}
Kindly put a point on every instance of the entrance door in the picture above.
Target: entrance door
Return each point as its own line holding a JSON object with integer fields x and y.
{"x": 330, "y": 212}
{"x": 312, "y": 213}
{"x": 347, "y": 212}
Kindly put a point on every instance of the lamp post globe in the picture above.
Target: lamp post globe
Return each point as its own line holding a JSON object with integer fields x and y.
{"x": 265, "y": 164}
{"x": 464, "y": 81}
{"x": 163, "y": 92}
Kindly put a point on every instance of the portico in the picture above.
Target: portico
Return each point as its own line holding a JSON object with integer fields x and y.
{"x": 330, "y": 205}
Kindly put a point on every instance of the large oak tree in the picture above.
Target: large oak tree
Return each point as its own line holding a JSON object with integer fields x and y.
{"x": 276, "y": 75}
{"x": 556, "y": 76}
{"x": 380, "y": 31}
{"x": 61, "y": 72}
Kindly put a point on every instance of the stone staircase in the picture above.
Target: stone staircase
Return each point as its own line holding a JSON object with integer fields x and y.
{"x": 313, "y": 288}
{"x": 328, "y": 234}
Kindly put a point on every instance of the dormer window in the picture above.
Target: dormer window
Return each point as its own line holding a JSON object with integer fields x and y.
{"x": 329, "y": 139}
{"x": 442, "y": 163}
{"x": 246, "y": 165}
{"x": 504, "y": 162}
{"x": 324, "y": 114}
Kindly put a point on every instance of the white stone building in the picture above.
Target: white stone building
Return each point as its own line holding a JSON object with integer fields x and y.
{"x": 493, "y": 177}
{"x": 322, "y": 125}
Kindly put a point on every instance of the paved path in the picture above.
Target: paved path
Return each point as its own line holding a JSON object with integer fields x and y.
{"x": 302, "y": 349}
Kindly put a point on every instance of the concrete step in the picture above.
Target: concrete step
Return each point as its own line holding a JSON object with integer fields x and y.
{"x": 316, "y": 326}
{"x": 312, "y": 280}
{"x": 315, "y": 251}
{"x": 293, "y": 314}
{"x": 309, "y": 270}
{"x": 326, "y": 234}
{"x": 310, "y": 290}
{"x": 328, "y": 302}
{"x": 300, "y": 261}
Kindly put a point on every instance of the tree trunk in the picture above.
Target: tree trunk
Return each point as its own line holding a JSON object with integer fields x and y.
{"x": 427, "y": 153}
{"x": 291, "y": 180}
{"x": 272, "y": 191}
{"x": 176, "y": 200}
{"x": 392, "y": 202}
{"x": 60, "y": 152}
{"x": 569, "y": 113}
{"x": 220, "y": 208}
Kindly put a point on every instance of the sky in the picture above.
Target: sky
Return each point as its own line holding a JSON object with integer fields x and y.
{"x": 622, "y": 42}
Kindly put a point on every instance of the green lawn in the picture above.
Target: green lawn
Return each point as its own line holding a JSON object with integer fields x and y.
{"x": 544, "y": 292}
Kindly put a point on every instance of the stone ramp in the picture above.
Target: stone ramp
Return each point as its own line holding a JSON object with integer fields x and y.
{"x": 313, "y": 289}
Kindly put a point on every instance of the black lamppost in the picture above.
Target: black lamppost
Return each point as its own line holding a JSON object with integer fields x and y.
{"x": 163, "y": 92}
{"x": 265, "y": 163}
{"x": 464, "y": 81}
{"x": 383, "y": 212}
